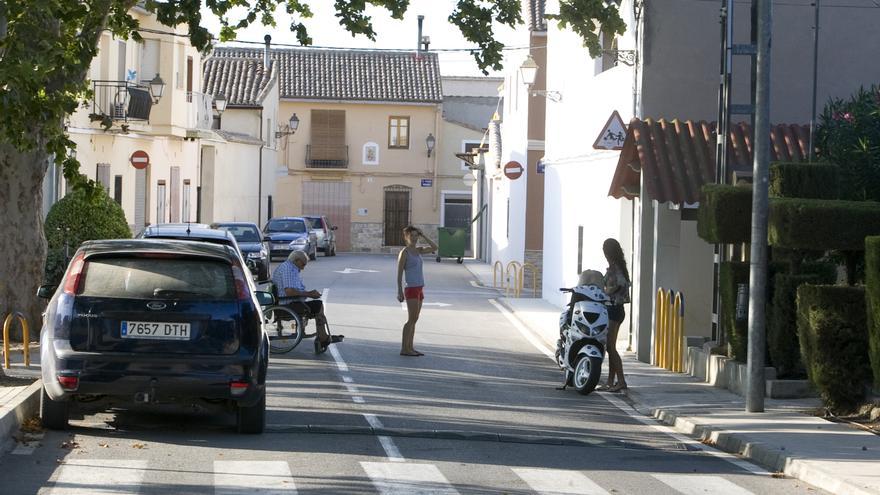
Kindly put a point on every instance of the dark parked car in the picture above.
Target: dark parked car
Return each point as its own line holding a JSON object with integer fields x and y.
{"x": 325, "y": 233}
{"x": 288, "y": 234}
{"x": 152, "y": 322}
{"x": 250, "y": 243}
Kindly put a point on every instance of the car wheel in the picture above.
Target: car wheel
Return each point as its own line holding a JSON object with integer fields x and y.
{"x": 53, "y": 413}
{"x": 252, "y": 419}
{"x": 327, "y": 251}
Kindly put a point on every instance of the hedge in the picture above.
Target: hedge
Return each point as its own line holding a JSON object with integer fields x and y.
{"x": 872, "y": 281}
{"x": 87, "y": 218}
{"x": 822, "y": 225}
{"x": 783, "y": 347}
{"x": 834, "y": 339}
{"x": 725, "y": 214}
{"x": 732, "y": 274}
{"x": 804, "y": 180}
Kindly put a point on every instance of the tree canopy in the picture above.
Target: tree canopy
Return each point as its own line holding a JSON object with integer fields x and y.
{"x": 47, "y": 46}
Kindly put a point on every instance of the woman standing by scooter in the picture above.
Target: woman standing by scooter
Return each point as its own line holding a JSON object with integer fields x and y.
{"x": 617, "y": 284}
{"x": 409, "y": 264}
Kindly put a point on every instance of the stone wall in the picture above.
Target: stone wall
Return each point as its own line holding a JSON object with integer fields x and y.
{"x": 367, "y": 237}
{"x": 535, "y": 257}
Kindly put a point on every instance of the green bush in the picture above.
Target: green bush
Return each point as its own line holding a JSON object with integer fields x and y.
{"x": 804, "y": 180}
{"x": 821, "y": 225}
{"x": 782, "y": 337}
{"x": 834, "y": 340}
{"x": 872, "y": 280}
{"x": 76, "y": 218}
{"x": 849, "y": 135}
{"x": 732, "y": 274}
{"x": 725, "y": 214}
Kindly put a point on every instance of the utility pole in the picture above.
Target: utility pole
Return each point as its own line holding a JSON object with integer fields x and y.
{"x": 758, "y": 263}
{"x": 812, "y": 150}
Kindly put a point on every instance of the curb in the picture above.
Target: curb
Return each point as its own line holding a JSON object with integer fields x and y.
{"x": 773, "y": 459}
{"x": 24, "y": 406}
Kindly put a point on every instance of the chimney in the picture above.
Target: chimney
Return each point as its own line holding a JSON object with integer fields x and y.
{"x": 419, "y": 41}
{"x": 266, "y": 59}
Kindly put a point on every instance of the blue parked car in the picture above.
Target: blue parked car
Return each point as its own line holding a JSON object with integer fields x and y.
{"x": 288, "y": 234}
{"x": 154, "y": 321}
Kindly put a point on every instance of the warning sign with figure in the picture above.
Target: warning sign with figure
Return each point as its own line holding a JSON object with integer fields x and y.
{"x": 613, "y": 134}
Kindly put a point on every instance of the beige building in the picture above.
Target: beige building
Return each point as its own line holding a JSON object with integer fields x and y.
{"x": 365, "y": 152}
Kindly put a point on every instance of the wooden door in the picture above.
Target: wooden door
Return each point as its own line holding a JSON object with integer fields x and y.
{"x": 397, "y": 214}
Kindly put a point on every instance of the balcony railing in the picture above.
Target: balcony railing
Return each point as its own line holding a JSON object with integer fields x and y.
{"x": 199, "y": 111}
{"x": 326, "y": 156}
{"x": 121, "y": 100}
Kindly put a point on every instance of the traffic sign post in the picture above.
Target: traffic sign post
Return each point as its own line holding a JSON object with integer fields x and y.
{"x": 513, "y": 170}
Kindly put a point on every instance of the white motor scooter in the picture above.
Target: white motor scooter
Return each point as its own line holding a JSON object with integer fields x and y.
{"x": 583, "y": 333}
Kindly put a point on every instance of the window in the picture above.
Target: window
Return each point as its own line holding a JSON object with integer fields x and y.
{"x": 103, "y": 176}
{"x": 145, "y": 277}
{"x": 117, "y": 189}
{"x": 608, "y": 59}
{"x": 186, "y": 193}
{"x": 469, "y": 147}
{"x": 149, "y": 60}
{"x": 270, "y": 134}
{"x": 160, "y": 202}
{"x": 398, "y": 132}
{"x": 327, "y": 148}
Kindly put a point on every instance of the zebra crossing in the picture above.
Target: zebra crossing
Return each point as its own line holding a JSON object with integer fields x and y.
{"x": 118, "y": 476}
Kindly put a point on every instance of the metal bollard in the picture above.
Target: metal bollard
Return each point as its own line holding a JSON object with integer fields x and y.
{"x": 495, "y": 268}
{"x": 7, "y": 324}
{"x": 516, "y": 270}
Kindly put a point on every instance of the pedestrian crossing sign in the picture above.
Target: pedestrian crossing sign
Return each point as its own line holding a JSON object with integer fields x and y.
{"x": 613, "y": 134}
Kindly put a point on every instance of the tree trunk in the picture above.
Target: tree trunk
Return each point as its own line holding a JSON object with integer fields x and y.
{"x": 22, "y": 241}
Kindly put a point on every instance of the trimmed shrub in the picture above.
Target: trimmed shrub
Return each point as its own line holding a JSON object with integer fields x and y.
{"x": 832, "y": 328}
{"x": 725, "y": 214}
{"x": 79, "y": 217}
{"x": 804, "y": 180}
{"x": 822, "y": 225}
{"x": 732, "y": 274}
{"x": 872, "y": 280}
{"x": 782, "y": 336}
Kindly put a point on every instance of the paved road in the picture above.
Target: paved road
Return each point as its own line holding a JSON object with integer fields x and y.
{"x": 478, "y": 414}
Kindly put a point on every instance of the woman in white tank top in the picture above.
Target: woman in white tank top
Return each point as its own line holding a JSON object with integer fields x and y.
{"x": 409, "y": 268}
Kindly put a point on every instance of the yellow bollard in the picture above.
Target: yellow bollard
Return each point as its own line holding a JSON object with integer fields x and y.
{"x": 498, "y": 265}
{"x": 25, "y": 337}
{"x": 515, "y": 265}
{"x": 534, "y": 270}
{"x": 678, "y": 333}
{"x": 660, "y": 327}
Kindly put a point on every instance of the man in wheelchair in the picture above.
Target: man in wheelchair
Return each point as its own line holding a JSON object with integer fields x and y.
{"x": 291, "y": 291}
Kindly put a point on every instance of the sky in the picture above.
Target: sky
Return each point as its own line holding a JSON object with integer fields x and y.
{"x": 391, "y": 33}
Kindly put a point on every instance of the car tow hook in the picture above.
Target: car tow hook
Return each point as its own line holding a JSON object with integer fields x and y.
{"x": 147, "y": 397}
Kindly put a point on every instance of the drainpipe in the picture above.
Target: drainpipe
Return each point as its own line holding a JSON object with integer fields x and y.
{"x": 260, "y": 177}
{"x": 439, "y": 139}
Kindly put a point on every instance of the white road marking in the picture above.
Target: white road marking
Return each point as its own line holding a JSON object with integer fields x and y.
{"x": 439, "y": 304}
{"x": 526, "y": 333}
{"x": 91, "y": 476}
{"x": 349, "y": 271}
{"x": 391, "y": 450}
{"x": 533, "y": 339}
{"x": 690, "y": 484}
{"x": 559, "y": 482}
{"x": 407, "y": 479}
{"x": 252, "y": 477}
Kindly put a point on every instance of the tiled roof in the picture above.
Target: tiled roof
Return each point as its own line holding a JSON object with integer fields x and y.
{"x": 353, "y": 75}
{"x": 473, "y": 112}
{"x": 243, "y": 81}
{"x": 677, "y": 157}
{"x": 237, "y": 137}
{"x": 534, "y": 15}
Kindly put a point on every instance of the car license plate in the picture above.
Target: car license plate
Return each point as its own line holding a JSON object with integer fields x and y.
{"x": 155, "y": 330}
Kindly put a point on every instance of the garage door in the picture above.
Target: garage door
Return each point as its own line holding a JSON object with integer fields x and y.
{"x": 332, "y": 199}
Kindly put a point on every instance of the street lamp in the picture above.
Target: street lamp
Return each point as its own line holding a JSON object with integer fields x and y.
{"x": 157, "y": 87}
{"x": 430, "y": 141}
{"x": 220, "y": 103}
{"x": 289, "y": 129}
{"x": 529, "y": 72}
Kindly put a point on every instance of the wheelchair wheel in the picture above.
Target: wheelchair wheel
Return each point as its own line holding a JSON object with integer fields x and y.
{"x": 284, "y": 327}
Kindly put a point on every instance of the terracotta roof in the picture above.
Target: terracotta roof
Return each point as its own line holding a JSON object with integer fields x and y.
{"x": 679, "y": 157}
{"x": 534, "y": 13}
{"x": 243, "y": 81}
{"x": 355, "y": 75}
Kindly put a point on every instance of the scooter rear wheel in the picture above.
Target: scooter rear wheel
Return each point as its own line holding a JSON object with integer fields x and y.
{"x": 586, "y": 374}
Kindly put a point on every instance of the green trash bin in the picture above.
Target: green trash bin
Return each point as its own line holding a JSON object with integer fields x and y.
{"x": 451, "y": 243}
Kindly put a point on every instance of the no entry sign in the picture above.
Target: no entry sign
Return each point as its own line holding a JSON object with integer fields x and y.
{"x": 139, "y": 159}
{"x": 513, "y": 170}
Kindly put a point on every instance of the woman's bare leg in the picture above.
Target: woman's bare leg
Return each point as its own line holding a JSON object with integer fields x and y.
{"x": 413, "y": 307}
{"x": 614, "y": 361}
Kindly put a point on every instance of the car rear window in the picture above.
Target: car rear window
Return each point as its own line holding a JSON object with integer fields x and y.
{"x": 243, "y": 233}
{"x": 295, "y": 226}
{"x": 147, "y": 277}
{"x": 315, "y": 223}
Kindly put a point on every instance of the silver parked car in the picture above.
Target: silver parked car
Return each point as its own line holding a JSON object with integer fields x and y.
{"x": 324, "y": 232}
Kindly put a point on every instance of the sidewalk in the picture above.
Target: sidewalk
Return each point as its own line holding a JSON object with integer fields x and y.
{"x": 830, "y": 456}
{"x": 19, "y": 394}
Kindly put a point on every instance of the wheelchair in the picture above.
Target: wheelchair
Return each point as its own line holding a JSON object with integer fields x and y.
{"x": 286, "y": 328}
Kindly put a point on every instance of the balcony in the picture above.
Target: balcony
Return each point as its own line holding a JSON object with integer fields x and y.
{"x": 326, "y": 156}
{"x": 120, "y": 101}
{"x": 199, "y": 111}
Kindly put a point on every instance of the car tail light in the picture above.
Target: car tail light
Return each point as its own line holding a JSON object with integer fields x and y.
{"x": 68, "y": 382}
{"x": 75, "y": 272}
{"x": 242, "y": 291}
{"x": 238, "y": 387}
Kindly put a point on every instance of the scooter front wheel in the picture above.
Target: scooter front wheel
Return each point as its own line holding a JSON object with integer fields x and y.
{"x": 586, "y": 374}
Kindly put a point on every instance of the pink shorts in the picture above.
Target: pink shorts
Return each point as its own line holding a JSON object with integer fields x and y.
{"x": 414, "y": 293}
